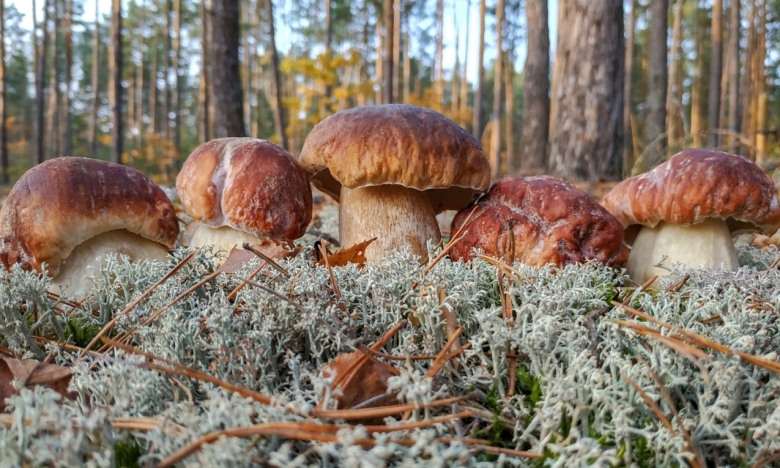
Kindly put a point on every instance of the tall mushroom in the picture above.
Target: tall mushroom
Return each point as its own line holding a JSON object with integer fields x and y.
{"x": 392, "y": 168}
{"x": 66, "y": 212}
{"x": 244, "y": 190}
{"x": 538, "y": 221}
{"x": 687, "y": 208}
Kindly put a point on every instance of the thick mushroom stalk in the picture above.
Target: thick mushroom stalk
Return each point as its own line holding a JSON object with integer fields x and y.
{"x": 87, "y": 257}
{"x": 707, "y": 244}
{"x": 223, "y": 238}
{"x": 397, "y": 216}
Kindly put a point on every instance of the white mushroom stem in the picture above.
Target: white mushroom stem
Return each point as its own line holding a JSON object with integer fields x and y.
{"x": 76, "y": 270}
{"x": 397, "y": 216}
{"x": 222, "y": 238}
{"x": 706, "y": 244}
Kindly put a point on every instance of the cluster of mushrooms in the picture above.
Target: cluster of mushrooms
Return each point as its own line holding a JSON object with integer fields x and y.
{"x": 392, "y": 168}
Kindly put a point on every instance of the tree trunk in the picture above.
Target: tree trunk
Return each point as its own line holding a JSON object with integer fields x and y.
{"x": 476, "y": 128}
{"x": 407, "y": 64}
{"x": 67, "y": 149}
{"x": 733, "y": 72}
{"x": 495, "y": 135}
{"x": 94, "y": 84}
{"x": 228, "y": 100}
{"x": 139, "y": 82}
{"x": 4, "y": 177}
{"x": 379, "y": 63}
{"x": 586, "y": 127}
{"x": 387, "y": 71}
{"x": 655, "y": 126}
{"x": 748, "y": 78}
{"x": 439, "y": 70}
{"x": 673, "y": 90}
{"x": 53, "y": 106}
{"x": 628, "y": 144}
{"x": 115, "y": 73}
{"x": 40, "y": 88}
{"x": 716, "y": 73}
{"x": 536, "y": 87}
{"x": 464, "y": 82}
{"x": 280, "y": 121}
{"x": 396, "y": 48}
{"x": 153, "y": 91}
{"x": 166, "y": 121}
{"x": 761, "y": 87}
{"x": 328, "y": 52}
{"x": 455, "y": 69}
{"x": 177, "y": 81}
{"x": 204, "y": 95}
{"x": 696, "y": 86}
{"x": 510, "y": 162}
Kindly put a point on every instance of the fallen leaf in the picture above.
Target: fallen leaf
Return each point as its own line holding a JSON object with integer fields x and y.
{"x": 239, "y": 256}
{"x": 32, "y": 373}
{"x": 354, "y": 254}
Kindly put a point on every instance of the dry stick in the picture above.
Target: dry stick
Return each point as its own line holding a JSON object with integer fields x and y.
{"x": 767, "y": 461}
{"x": 132, "y": 305}
{"x": 244, "y": 282}
{"x": 125, "y": 336}
{"x": 336, "y": 289}
{"x": 267, "y": 259}
{"x": 676, "y": 286}
{"x": 705, "y": 342}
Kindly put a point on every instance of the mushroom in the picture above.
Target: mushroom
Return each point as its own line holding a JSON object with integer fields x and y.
{"x": 244, "y": 190}
{"x": 687, "y": 208}
{"x": 392, "y": 168}
{"x": 66, "y": 212}
{"x": 538, "y": 221}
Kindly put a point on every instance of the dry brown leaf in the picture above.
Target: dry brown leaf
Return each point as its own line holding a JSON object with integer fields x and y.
{"x": 32, "y": 373}
{"x": 354, "y": 254}
{"x": 239, "y": 256}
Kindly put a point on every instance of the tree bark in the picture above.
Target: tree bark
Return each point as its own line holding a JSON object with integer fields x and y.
{"x": 204, "y": 94}
{"x": 53, "y": 106}
{"x": 454, "y": 94}
{"x": 510, "y": 162}
{"x": 439, "y": 69}
{"x": 696, "y": 85}
{"x": 153, "y": 91}
{"x": 628, "y": 144}
{"x": 280, "y": 120}
{"x": 4, "y": 163}
{"x": 94, "y": 84}
{"x": 536, "y": 89}
{"x": 40, "y": 88}
{"x": 228, "y": 100}
{"x": 407, "y": 63}
{"x": 673, "y": 90}
{"x": 586, "y": 130}
{"x": 476, "y": 128}
{"x": 115, "y": 73}
{"x": 495, "y": 135}
{"x": 67, "y": 148}
{"x": 716, "y": 74}
{"x": 733, "y": 72}
{"x": 139, "y": 81}
{"x": 748, "y": 78}
{"x": 379, "y": 63}
{"x": 396, "y": 48}
{"x": 177, "y": 81}
{"x": 761, "y": 111}
{"x": 655, "y": 126}
{"x": 328, "y": 37}
{"x": 464, "y": 82}
{"x": 166, "y": 121}
{"x": 387, "y": 70}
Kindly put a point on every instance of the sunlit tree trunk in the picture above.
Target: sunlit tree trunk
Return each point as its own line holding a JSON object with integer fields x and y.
{"x": 227, "y": 92}
{"x": 204, "y": 94}
{"x": 67, "y": 148}
{"x": 454, "y": 95}
{"x": 588, "y": 89}
{"x": 495, "y": 135}
{"x": 536, "y": 87}
{"x": 655, "y": 126}
{"x": 510, "y": 164}
{"x": 476, "y": 128}
{"x": 407, "y": 63}
{"x": 379, "y": 63}
{"x": 177, "y": 80}
{"x": 748, "y": 78}
{"x": 696, "y": 86}
{"x": 153, "y": 75}
{"x": 673, "y": 90}
{"x": 328, "y": 36}
{"x": 464, "y": 82}
{"x": 139, "y": 81}
{"x": 396, "y": 48}
{"x": 40, "y": 86}
{"x": 761, "y": 86}
{"x": 115, "y": 87}
{"x": 628, "y": 135}
{"x": 166, "y": 120}
{"x": 4, "y": 177}
{"x": 54, "y": 98}
{"x": 95, "y": 85}
{"x": 733, "y": 71}
{"x": 439, "y": 70}
{"x": 280, "y": 121}
{"x": 716, "y": 74}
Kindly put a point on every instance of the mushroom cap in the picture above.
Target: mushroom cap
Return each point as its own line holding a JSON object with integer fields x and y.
{"x": 63, "y": 202}
{"x": 552, "y": 222}
{"x": 696, "y": 184}
{"x": 396, "y": 144}
{"x": 249, "y": 185}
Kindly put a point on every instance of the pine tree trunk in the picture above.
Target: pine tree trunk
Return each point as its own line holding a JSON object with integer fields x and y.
{"x": 454, "y": 94}
{"x": 280, "y": 121}
{"x": 379, "y": 63}
{"x": 227, "y": 91}
{"x": 439, "y": 69}
{"x": 748, "y": 78}
{"x": 733, "y": 73}
{"x": 166, "y": 121}
{"x": 4, "y": 163}
{"x": 696, "y": 85}
{"x": 464, "y": 82}
{"x": 495, "y": 135}
{"x": 536, "y": 87}
{"x": 177, "y": 81}
{"x": 204, "y": 95}
{"x": 716, "y": 74}
{"x": 153, "y": 75}
{"x": 476, "y": 128}
{"x": 387, "y": 70}
{"x": 761, "y": 110}
{"x": 53, "y": 105}
{"x": 510, "y": 162}
{"x": 396, "y": 49}
{"x": 139, "y": 82}
{"x": 586, "y": 129}
{"x": 115, "y": 87}
{"x": 40, "y": 88}
{"x": 655, "y": 126}
{"x": 328, "y": 38}
{"x": 67, "y": 148}
{"x": 628, "y": 140}
{"x": 94, "y": 84}
{"x": 407, "y": 64}
{"x": 673, "y": 90}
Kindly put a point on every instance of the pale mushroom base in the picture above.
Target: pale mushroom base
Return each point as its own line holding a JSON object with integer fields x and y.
{"x": 707, "y": 244}
{"x": 87, "y": 257}
{"x": 397, "y": 216}
{"x": 222, "y": 238}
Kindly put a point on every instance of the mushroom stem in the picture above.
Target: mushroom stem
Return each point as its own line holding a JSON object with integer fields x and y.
{"x": 222, "y": 238}
{"x": 706, "y": 244}
{"x": 397, "y": 216}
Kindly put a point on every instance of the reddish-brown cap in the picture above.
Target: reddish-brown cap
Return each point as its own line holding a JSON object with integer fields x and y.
{"x": 396, "y": 144}
{"x": 551, "y": 221}
{"x": 696, "y": 184}
{"x": 249, "y": 185}
{"x": 63, "y": 202}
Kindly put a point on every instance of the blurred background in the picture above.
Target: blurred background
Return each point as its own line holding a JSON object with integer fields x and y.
{"x": 590, "y": 91}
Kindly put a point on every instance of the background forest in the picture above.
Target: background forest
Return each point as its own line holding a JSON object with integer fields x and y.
{"x": 625, "y": 84}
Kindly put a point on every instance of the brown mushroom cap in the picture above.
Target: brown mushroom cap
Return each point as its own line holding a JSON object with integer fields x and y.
{"x": 63, "y": 202}
{"x": 696, "y": 184}
{"x": 396, "y": 144}
{"x": 552, "y": 222}
{"x": 249, "y": 185}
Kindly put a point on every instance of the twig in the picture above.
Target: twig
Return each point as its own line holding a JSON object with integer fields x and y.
{"x": 244, "y": 282}
{"x": 267, "y": 259}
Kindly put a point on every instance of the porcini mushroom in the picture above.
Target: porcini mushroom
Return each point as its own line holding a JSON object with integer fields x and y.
{"x": 66, "y": 212}
{"x": 244, "y": 190}
{"x": 687, "y": 208}
{"x": 538, "y": 221}
{"x": 392, "y": 168}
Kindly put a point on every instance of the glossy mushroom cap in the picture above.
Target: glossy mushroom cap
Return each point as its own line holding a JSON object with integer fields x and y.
{"x": 64, "y": 202}
{"x": 249, "y": 185}
{"x": 397, "y": 144}
{"x": 551, "y": 221}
